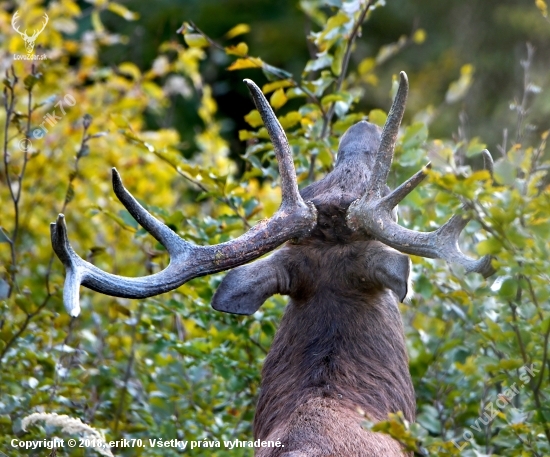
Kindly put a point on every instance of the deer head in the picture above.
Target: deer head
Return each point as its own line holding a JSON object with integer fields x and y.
{"x": 29, "y": 40}
{"x": 339, "y": 354}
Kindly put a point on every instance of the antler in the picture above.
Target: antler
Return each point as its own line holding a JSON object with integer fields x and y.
{"x": 295, "y": 218}
{"x": 38, "y": 32}
{"x": 373, "y": 213}
{"x": 14, "y": 24}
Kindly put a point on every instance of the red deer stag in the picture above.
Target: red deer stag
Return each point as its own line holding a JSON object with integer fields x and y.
{"x": 339, "y": 354}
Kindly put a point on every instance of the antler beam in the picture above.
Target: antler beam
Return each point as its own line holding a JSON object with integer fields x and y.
{"x": 373, "y": 213}
{"x": 295, "y": 218}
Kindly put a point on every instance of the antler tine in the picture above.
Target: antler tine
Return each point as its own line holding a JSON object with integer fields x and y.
{"x": 44, "y": 23}
{"x": 295, "y": 218}
{"x": 175, "y": 245}
{"x": 391, "y": 200}
{"x": 289, "y": 184}
{"x": 14, "y": 23}
{"x": 389, "y": 137}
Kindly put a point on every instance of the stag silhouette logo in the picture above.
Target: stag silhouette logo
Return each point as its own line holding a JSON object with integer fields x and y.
{"x": 29, "y": 40}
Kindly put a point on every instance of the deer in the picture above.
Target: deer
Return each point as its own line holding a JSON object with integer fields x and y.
{"x": 29, "y": 40}
{"x": 339, "y": 355}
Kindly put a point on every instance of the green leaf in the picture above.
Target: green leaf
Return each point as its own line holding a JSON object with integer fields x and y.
{"x": 475, "y": 147}
{"x": 508, "y": 289}
{"x": 429, "y": 419}
{"x": 3, "y": 237}
{"x": 415, "y": 135}
{"x": 273, "y": 73}
{"x": 504, "y": 172}
{"x": 336, "y": 65}
{"x": 378, "y": 117}
{"x": 490, "y": 246}
{"x": 323, "y": 60}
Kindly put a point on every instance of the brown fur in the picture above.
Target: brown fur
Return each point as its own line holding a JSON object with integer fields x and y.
{"x": 321, "y": 427}
{"x": 339, "y": 351}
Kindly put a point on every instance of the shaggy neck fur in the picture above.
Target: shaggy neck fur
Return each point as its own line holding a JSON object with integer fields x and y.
{"x": 344, "y": 342}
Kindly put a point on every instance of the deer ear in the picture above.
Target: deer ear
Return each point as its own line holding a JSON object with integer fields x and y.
{"x": 394, "y": 273}
{"x": 244, "y": 289}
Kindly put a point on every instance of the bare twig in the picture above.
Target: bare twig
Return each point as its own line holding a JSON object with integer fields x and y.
{"x": 56, "y": 381}
{"x": 29, "y": 316}
{"x": 522, "y": 109}
{"x": 129, "y": 368}
{"x": 9, "y": 106}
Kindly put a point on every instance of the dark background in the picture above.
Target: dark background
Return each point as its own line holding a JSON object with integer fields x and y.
{"x": 489, "y": 34}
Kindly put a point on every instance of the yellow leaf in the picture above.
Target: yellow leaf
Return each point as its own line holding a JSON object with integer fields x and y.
{"x": 254, "y": 118}
{"x": 469, "y": 366}
{"x": 96, "y": 22}
{"x": 120, "y": 309}
{"x": 270, "y": 87}
{"x": 249, "y": 62}
{"x": 278, "y": 98}
{"x": 71, "y": 8}
{"x": 238, "y": 30}
{"x": 458, "y": 89}
{"x": 122, "y": 11}
{"x": 371, "y": 78}
{"x": 153, "y": 90}
{"x": 542, "y": 6}
{"x": 290, "y": 119}
{"x": 245, "y": 135}
{"x": 239, "y": 50}
{"x": 130, "y": 69}
{"x": 366, "y": 65}
{"x": 119, "y": 120}
{"x": 419, "y": 36}
{"x": 306, "y": 122}
{"x": 335, "y": 21}
{"x": 466, "y": 70}
{"x": 195, "y": 40}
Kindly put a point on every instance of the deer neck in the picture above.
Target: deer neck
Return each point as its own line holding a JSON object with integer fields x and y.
{"x": 341, "y": 347}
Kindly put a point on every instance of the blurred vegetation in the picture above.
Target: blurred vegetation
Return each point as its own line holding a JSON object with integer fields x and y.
{"x": 169, "y": 111}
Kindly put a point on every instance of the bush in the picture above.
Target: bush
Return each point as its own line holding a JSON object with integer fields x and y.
{"x": 171, "y": 368}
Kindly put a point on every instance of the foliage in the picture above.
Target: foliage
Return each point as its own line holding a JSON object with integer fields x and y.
{"x": 170, "y": 368}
